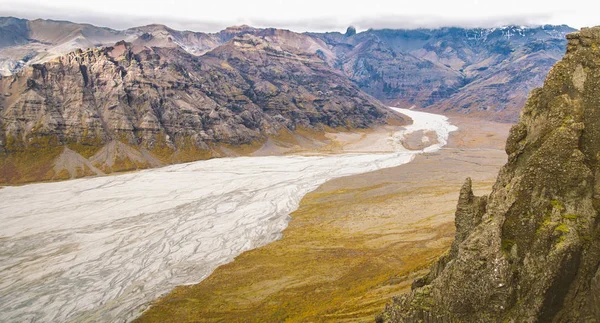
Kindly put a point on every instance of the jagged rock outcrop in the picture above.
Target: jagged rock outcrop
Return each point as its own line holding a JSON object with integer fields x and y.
{"x": 533, "y": 254}
{"x": 469, "y": 211}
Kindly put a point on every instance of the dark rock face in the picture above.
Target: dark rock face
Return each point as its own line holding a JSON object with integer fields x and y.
{"x": 534, "y": 252}
{"x": 351, "y": 31}
{"x": 469, "y": 211}
{"x": 595, "y": 295}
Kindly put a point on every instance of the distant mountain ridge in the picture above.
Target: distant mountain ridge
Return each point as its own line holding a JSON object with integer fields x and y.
{"x": 482, "y": 71}
{"x": 25, "y": 42}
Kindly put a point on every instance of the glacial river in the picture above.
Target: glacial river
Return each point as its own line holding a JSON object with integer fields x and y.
{"x": 100, "y": 249}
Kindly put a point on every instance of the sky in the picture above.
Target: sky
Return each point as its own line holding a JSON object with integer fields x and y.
{"x": 309, "y": 15}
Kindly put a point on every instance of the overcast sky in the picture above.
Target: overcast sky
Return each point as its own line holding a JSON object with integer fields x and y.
{"x": 309, "y": 15}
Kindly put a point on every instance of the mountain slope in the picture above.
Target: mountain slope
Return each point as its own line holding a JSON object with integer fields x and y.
{"x": 167, "y": 103}
{"x": 13, "y": 31}
{"x": 530, "y": 252}
{"x": 481, "y": 71}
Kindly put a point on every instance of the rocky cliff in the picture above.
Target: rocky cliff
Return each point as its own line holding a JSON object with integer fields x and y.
{"x": 530, "y": 252}
{"x": 132, "y": 106}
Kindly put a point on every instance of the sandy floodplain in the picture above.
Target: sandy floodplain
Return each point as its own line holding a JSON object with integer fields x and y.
{"x": 100, "y": 249}
{"x": 353, "y": 244}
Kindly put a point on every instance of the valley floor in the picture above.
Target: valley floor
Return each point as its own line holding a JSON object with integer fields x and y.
{"x": 353, "y": 243}
{"x": 101, "y": 249}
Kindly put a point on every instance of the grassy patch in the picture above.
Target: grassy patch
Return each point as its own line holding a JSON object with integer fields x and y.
{"x": 570, "y": 216}
{"x": 321, "y": 271}
{"x": 85, "y": 150}
{"x": 563, "y": 228}
{"x": 557, "y": 205}
{"x": 28, "y": 165}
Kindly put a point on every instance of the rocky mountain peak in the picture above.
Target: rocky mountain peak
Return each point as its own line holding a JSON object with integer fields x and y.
{"x": 532, "y": 251}
{"x": 351, "y": 31}
{"x": 230, "y": 32}
{"x": 153, "y": 27}
{"x": 240, "y": 28}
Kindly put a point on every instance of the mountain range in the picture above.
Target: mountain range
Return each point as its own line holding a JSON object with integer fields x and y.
{"x": 82, "y": 100}
{"x": 486, "y": 71}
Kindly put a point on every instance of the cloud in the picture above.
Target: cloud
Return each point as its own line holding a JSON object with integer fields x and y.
{"x": 413, "y": 22}
{"x": 106, "y": 20}
{"x": 402, "y": 22}
{"x": 322, "y": 24}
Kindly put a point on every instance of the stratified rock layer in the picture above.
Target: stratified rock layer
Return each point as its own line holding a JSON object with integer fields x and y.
{"x": 532, "y": 253}
{"x": 172, "y": 106}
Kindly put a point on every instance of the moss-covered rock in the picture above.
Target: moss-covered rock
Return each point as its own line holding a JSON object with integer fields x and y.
{"x": 534, "y": 253}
